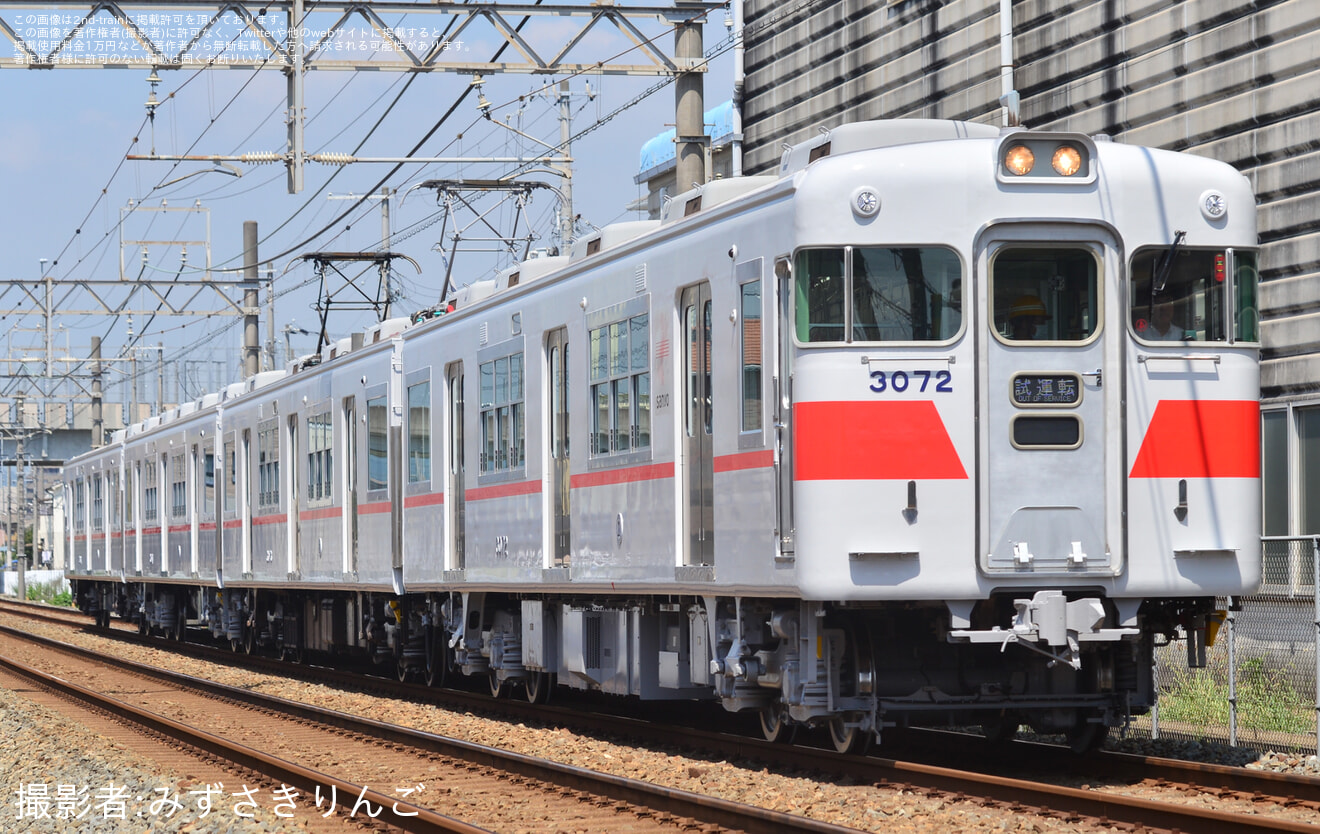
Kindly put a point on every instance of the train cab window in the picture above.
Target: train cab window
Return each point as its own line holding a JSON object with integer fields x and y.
{"x": 1049, "y": 294}
{"x": 878, "y": 294}
{"x": 1194, "y": 295}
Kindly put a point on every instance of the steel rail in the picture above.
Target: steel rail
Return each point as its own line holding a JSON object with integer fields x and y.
{"x": 681, "y": 803}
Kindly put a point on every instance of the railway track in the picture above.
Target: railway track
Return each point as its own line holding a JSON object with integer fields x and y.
{"x": 1245, "y": 800}
{"x": 480, "y": 789}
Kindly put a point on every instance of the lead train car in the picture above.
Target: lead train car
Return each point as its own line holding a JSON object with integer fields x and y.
{"x": 942, "y": 423}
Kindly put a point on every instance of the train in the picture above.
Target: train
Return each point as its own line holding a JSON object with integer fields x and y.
{"x": 941, "y": 423}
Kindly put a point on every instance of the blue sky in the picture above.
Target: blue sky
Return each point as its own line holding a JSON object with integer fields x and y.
{"x": 67, "y": 131}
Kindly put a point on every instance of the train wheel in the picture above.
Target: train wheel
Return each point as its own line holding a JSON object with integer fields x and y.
{"x": 496, "y": 685}
{"x": 849, "y": 740}
{"x": 103, "y": 619}
{"x": 1000, "y": 730}
{"x": 1086, "y": 736}
{"x": 538, "y": 687}
{"x": 249, "y": 639}
{"x": 437, "y": 657}
{"x": 235, "y": 644}
{"x": 180, "y": 624}
{"x": 402, "y": 668}
{"x": 775, "y": 726}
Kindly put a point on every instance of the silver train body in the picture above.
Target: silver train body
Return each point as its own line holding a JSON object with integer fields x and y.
{"x": 942, "y": 423}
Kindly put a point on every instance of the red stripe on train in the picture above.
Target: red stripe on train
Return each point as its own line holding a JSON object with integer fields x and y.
{"x": 1201, "y": 439}
{"x": 862, "y": 441}
{"x": 502, "y": 491}
{"x": 744, "y": 460}
{"x": 626, "y": 475}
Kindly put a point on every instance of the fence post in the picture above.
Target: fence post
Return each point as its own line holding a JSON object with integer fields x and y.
{"x": 1155, "y": 685}
{"x": 1315, "y": 586}
{"x": 1232, "y": 675}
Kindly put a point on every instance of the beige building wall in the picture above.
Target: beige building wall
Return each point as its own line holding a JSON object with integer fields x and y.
{"x": 1237, "y": 80}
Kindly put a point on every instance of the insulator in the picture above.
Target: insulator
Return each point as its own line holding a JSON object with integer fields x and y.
{"x": 332, "y": 158}
{"x": 262, "y": 157}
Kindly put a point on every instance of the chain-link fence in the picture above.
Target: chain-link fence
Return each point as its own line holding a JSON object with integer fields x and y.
{"x": 1260, "y": 686}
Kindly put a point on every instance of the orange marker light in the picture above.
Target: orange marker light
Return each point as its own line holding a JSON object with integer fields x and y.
{"x": 1019, "y": 160}
{"x": 1067, "y": 160}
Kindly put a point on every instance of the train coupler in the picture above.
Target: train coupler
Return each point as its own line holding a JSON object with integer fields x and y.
{"x": 1049, "y": 618}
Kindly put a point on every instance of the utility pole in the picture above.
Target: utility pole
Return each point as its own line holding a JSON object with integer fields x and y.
{"x": 251, "y": 303}
{"x": 689, "y": 108}
{"x": 385, "y": 247}
{"x": 567, "y": 226}
{"x": 270, "y": 318}
{"x": 98, "y": 425}
{"x": 22, "y": 516}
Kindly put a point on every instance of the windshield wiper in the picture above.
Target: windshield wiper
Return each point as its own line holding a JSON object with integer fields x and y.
{"x": 1165, "y": 266}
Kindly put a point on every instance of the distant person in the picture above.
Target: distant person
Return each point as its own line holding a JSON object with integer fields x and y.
{"x": 1162, "y": 328}
{"x": 1026, "y": 318}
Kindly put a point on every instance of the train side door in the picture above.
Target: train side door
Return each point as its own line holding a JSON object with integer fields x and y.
{"x": 295, "y": 495}
{"x": 456, "y": 477}
{"x": 557, "y": 413}
{"x": 348, "y": 454}
{"x": 1051, "y": 458}
{"x": 783, "y": 408}
{"x": 698, "y": 464}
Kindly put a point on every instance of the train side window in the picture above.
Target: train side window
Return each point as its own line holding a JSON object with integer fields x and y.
{"x": 149, "y": 502}
{"x": 1045, "y": 293}
{"x": 208, "y": 482}
{"x": 178, "y": 487}
{"x": 79, "y": 505}
{"x": 98, "y": 507}
{"x": 320, "y": 470}
{"x": 751, "y": 355}
{"x": 377, "y": 444}
{"x": 503, "y": 426}
{"x": 268, "y": 464}
{"x": 231, "y": 476}
{"x": 1186, "y": 295}
{"x": 620, "y": 374}
{"x": 419, "y": 432}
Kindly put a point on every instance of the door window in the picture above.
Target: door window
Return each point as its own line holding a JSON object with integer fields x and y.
{"x": 1045, "y": 294}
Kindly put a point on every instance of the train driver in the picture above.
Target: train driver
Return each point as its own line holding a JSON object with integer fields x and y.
{"x": 1026, "y": 318}
{"x": 1162, "y": 328}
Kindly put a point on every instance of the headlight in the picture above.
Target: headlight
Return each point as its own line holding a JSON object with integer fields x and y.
{"x": 1067, "y": 160}
{"x": 1020, "y": 160}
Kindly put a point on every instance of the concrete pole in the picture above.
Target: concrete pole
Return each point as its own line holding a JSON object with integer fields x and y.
{"x": 294, "y": 73}
{"x": 270, "y": 318}
{"x": 689, "y": 107}
{"x": 251, "y": 302}
{"x": 385, "y": 247}
{"x": 98, "y": 426}
{"x": 22, "y": 516}
{"x": 566, "y": 225}
{"x": 160, "y": 378}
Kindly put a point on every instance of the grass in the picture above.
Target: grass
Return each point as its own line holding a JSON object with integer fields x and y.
{"x": 50, "y": 592}
{"x": 1267, "y": 700}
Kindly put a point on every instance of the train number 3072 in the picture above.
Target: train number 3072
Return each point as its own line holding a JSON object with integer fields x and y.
{"x": 917, "y": 381}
